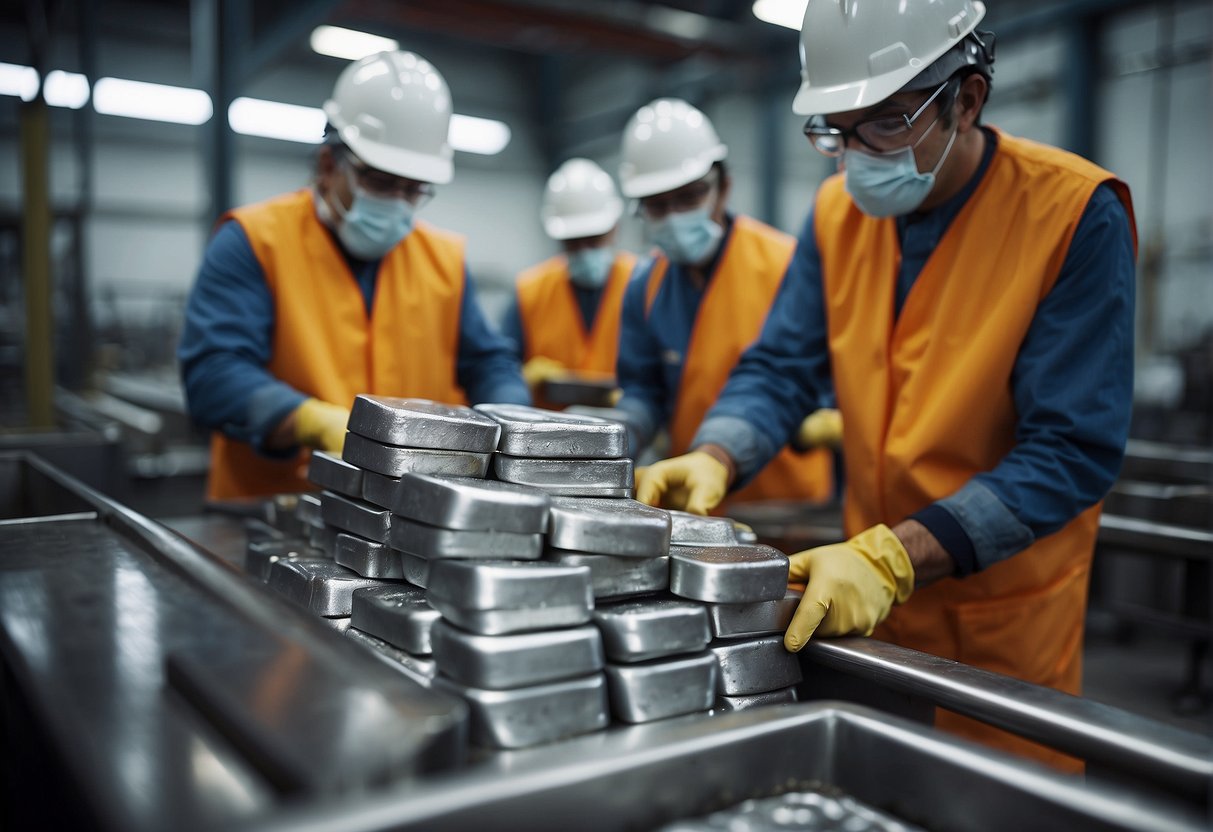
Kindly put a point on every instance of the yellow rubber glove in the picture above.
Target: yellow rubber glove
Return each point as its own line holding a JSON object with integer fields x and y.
{"x": 321, "y": 425}
{"x": 820, "y": 429}
{"x": 540, "y": 369}
{"x": 851, "y": 588}
{"x": 695, "y": 482}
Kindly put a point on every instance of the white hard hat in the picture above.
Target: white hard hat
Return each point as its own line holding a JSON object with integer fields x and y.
{"x": 580, "y": 201}
{"x": 393, "y": 110}
{"x": 667, "y": 144}
{"x": 856, "y": 54}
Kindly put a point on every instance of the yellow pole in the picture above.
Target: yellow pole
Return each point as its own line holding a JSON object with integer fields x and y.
{"x": 36, "y": 245}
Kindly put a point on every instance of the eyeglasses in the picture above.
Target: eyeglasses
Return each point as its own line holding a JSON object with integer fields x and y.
{"x": 882, "y": 134}
{"x": 687, "y": 198}
{"x": 385, "y": 184}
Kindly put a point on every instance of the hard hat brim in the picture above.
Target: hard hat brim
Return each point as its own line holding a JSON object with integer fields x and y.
{"x": 584, "y": 225}
{"x": 422, "y": 167}
{"x": 639, "y": 187}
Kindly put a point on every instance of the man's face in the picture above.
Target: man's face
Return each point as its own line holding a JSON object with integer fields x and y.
{"x": 905, "y": 119}
{"x": 710, "y": 191}
{"x": 582, "y": 243}
{"x": 339, "y": 170}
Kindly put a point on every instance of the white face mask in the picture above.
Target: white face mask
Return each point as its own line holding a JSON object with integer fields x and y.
{"x": 689, "y": 238}
{"x": 889, "y": 184}
{"x": 589, "y": 268}
{"x": 372, "y": 225}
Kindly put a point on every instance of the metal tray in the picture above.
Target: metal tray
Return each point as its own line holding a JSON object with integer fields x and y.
{"x": 421, "y": 423}
{"x": 652, "y": 628}
{"x": 534, "y": 432}
{"x": 317, "y": 585}
{"x": 754, "y": 665}
{"x": 615, "y": 577}
{"x": 433, "y": 543}
{"x": 472, "y": 504}
{"x": 661, "y": 689}
{"x": 516, "y": 661}
{"x": 568, "y": 477}
{"x": 392, "y": 461}
{"x": 308, "y": 510}
{"x": 785, "y": 696}
{"x": 728, "y": 574}
{"x": 335, "y": 474}
{"x": 399, "y": 615}
{"x": 368, "y": 558}
{"x": 260, "y": 555}
{"x": 696, "y": 530}
{"x": 753, "y": 619}
{"x": 357, "y": 516}
{"x": 609, "y": 527}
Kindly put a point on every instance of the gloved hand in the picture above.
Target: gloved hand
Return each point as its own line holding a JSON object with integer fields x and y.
{"x": 540, "y": 369}
{"x": 851, "y": 588}
{"x": 820, "y": 429}
{"x": 321, "y": 425}
{"x": 695, "y": 482}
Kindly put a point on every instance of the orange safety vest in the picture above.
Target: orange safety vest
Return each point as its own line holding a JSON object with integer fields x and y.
{"x": 324, "y": 343}
{"x": 926, "y": 401}
{"x": 731, "y": 315}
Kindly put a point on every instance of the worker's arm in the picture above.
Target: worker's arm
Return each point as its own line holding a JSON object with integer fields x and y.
{"x": 639, "y": 368}
{"x": 486, "y": 367}
{"x": 511, "y": 328}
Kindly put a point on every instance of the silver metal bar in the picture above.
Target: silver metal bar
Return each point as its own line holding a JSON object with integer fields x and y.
{"x": 1149, "y": 537}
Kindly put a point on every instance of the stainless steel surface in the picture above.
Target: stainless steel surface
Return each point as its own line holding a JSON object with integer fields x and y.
{"x": 609, "y": 527}
{"x": 361, "y": 518}
{"x": 695, "y": 530}
{"x": 472, "y": 504}
{"x": 728, "y": 574}
{"x": 754, "y": 665}
{"x": 533, "y": 432}
{"x": 420, "y": 423}
{"x": 663, "y": 688}
{"x": 320, "y": 586}
{"x": 525, "y": 717}
{"x": 433, "y": 543}
{"x": 568, "y": 477}
{"x": 420, "y": 669}
{"x": 399, "y": 615}
{"x": 340, "y": 623}
{"x": 335, "y": 474}
{"x": 615, "y": 577}
{"x": 1155, "y": 538}
{"x": 416, "y": 569}
{"x": 756, "y": 700}
{"x": 261, "y": 555}
{"x": 651, "y": 628}
{"x": 813, "y": 810}
{"x": 308, "y": 510}
{"x": 368, "y": 558}
{"x": 516, "y": 661}
{"x": 391, "y": 461}
{"x": 753, "y": 619}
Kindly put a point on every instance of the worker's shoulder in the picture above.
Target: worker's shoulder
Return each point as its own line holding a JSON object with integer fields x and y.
{"x": 1039, "y": 159}
{"x": 552, "y": 269}
{"x": 438, "y": 235}
{"x": 769, "y": 233}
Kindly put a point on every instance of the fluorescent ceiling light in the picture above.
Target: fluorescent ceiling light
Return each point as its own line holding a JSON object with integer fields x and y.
{"x": 66, "y": 89}
{"x": 275, "y": 120}
{"x": 155, "y": 102}
{"x": 349, "y": 43}
{"x": 789, "y": 13}
{"x": 18, "y": 80}
{"x": 478, "y": 135}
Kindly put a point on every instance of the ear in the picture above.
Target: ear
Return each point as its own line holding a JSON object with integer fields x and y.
{"x": 970, "y": 99}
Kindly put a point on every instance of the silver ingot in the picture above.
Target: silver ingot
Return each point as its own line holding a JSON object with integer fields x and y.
{"x": 392, "y": 461}
{"x": 651, "y": 628}
{"x": 318, "y": 585}
{"x": 420, "y": 669}
{"x": 536, "y": 433}
{"x": 416, "y": 569}
{"x": 421, "y": 423}
{"x": 324, "y": 540}
{"x": 660, "y": 689}
{"x": 755, "y": 666}
{"x": 728, "y": 574}
{"x": 688, "y": 529}
{"x": 368, "y": 558}
{"x": 754, "y": 619}
{"x": 335, "y": 474}
{"x": 615, "y": 577}
{"x": 261, "y": 555}
{"x": 568, "y": 477}
{"x": 609, "y": 527}
{"x": 756, "y": 700}
{"x": 399, "y": 615}
{"x": 515, "y": 661}
{"x": 745, "y": 535}
{"x": 357, "y": 516}
{"x": 433, "y": 543}
{"x": 524, "y": 717}
{"x": 471, "y": 504}
{"x": 499, "y": 597}
{"x": 308, "y": 510}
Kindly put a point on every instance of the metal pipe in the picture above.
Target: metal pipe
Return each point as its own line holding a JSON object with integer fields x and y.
{"x": 36, "y": 263}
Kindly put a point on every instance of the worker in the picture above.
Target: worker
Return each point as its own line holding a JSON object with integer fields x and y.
{"x": 308, "y": 299}
{"x": 693, "y": 307}
{"x": 564, "y": 319}
{"x": 968, "y": 296}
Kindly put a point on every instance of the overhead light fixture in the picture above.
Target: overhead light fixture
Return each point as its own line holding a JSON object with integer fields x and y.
{"x": 20, "y": 81}
{"x": 349, "y": 43}
{"x": 478, "y": 135}
{"x": 275, "y": 120}
{"x": 66, "y": 89}
{"x": 789, "y": 13}
{"x": 154, "y": 102}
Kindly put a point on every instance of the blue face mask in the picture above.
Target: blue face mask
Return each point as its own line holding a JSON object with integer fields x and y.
{"x": 889, "y": 184}
{"x": 689, "y": 238}
{"x": 589, "y": 268}
{"x": 372, "y": 225}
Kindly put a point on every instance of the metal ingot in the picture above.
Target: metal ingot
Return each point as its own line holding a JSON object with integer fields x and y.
{"x": 536, "y": 433}
{"x": 515, "y": 661}
{"x": 399, "y": 615}
{"x": 659, "y": 689}
{"x": 421, "y": 423}
{"x": 614, "y": 577}
{"x": 499, "y": 597}
{"x": 260, "y": 555}
{"x": 335, "y": 474}
{"x": 609, "y": 527}
{"x": 324, "y": 540}
{"x": 357, "y": 516}
{"x": 433, "y": 543}
{"x": 392, "y": 461}
{"x": 568, "y": 477}
{"x": 318, "y": 585}
{"x": 652, "y": 628}
{"x": 368, "y": 558}
{"x": 420, "y": 669}
{"x": 728, "y": 574}
{"x": 308, "y": 511}
{"x": 756, "y": 700}
{"x": 524, "y": 717}
{"x": 754, "y": 619}
{"x": 755, "y": 666}
{"x": 745, "y": 535}
{"x": 688, "y": 529}
{"x": 416, "y": 569}
{"x": 471, "y": 504}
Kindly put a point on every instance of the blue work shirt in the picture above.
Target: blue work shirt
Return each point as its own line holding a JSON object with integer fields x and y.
{"x": 511, "y": 325}
{"x": 1072, "y": 382}
{"x": 228, "y": 335}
